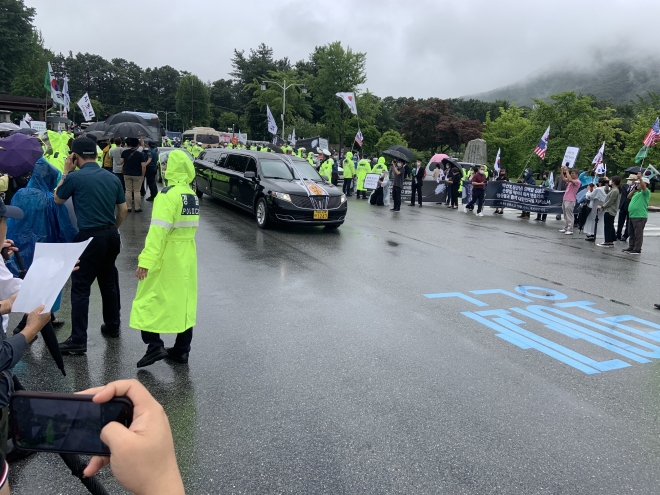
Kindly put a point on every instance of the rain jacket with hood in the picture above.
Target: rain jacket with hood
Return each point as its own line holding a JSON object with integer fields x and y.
{"x": 348, "y": 166}
{"x": 43, "y": 220}
{"x": 326, "y": 169}
{"x": 310, "y": 158}
{"x": 363, "y": 169}
{"x": 166, "y": 300}
{"x": 380, "y": 166}
{"x": 59, "y": 149}
{"x": 528, "y": 177}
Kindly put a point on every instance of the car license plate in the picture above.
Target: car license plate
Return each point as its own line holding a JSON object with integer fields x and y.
{"x": 320, "y": 214}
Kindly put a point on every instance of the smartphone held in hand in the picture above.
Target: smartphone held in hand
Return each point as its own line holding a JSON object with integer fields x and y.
{"x": 65, "y": 423}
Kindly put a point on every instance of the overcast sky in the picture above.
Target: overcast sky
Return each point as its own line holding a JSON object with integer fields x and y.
{"x": 420, "y": 48}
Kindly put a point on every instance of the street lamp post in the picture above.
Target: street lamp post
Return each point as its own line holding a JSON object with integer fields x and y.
{"x": 166, "y": 114}
{"x": 284, "y": 88}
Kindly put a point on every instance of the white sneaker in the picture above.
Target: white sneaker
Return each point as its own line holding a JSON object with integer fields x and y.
{"x": 465, "y": 210}
{"x": 480, "y": 214}
{"x": 568, "y": 233}
{"x": 562, "y": 230}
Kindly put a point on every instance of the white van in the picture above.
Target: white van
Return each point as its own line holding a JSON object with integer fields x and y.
{"x": 209, "y": 137}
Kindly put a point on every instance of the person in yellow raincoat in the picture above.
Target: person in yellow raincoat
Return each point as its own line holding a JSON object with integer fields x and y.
{"x": 166, "y": 298}
{"x": 325, "y": 169}
{"x": 57, "y": 149}
{"x": 349, "y": 172}
{"x": 363, "y": 168}
{"x": 380, "y": 167}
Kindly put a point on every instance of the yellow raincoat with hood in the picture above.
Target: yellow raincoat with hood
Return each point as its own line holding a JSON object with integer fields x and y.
{"x": 363, "y": 168}
{"x": 348, "y": 166}
{"x": 380, "y": 167}
{"x": 166, "y": 300}
{"x": 59, "y": 149}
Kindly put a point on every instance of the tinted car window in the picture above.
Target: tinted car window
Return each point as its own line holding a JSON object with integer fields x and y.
{"x": 221, "y": 161}
{"x": 237, "y": 163}
{"x": 208, "y": 139}
{"x": 187, "y": 137}
{"x": 251, "y": 166}
{"x": 278, "y": 169}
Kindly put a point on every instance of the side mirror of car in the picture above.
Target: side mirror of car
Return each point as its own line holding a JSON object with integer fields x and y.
{"x": 250, "y": 175}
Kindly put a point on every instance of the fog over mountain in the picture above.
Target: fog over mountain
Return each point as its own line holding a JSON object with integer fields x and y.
{"x": 616, "y": 80}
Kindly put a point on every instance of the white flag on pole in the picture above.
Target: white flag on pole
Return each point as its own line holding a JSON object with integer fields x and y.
{"x": 598, "y": 159}
{"x": 242, "y": 138}
{"x": 293, "y": 138}
{"x": 551, "y": 180}
{"x": 65, "y": 95}
{"x": 349, "y": 99}
{"x": 86, "y": 107}
{"x": 272, "y": 126}
{"x": 28, "y": 118}
{"x": 55, "y": 92}
{"x": 497, "y": 161}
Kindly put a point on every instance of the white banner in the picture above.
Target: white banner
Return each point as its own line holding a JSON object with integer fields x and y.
{"x": 38, "y": 125}
{"x": 65, "y": 95}
{"x": 349, "y": 99}
{"x": 570, "y": 156}
{"x": 323, "y": 144}
{"x": 242, "y": 138}
{"x": 371, "y": 181}
{"x": 272, "y": 126}
{"x": 86, "y": 107}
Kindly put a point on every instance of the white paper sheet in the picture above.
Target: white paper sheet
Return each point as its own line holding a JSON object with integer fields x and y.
{"x": 50, "y": 270}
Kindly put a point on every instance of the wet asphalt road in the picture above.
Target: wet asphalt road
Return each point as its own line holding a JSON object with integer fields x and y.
{"x": 319, "y": 366}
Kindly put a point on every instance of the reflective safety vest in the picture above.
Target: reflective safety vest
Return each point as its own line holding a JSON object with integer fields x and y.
{"x": 326, "y": 169}
{"x": 349, "y": 168}
{"x": 380, "y": 167}
{"x": 166, "y": 300}
{"x": 363, "y": 169}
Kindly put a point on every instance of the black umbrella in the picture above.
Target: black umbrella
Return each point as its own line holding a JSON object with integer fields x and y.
{"x": 127, "y": 130}
{"x": 634, "y": 170}
{"x": 24, "y": 130}
{"x": 398, "y": 152}
{"x": 98, "y": 126}
{"x": 275, "y": 148}
{"x": 452, "y": 163}
{"x": 120, "y": 118}
{"x": 99, "y": 135}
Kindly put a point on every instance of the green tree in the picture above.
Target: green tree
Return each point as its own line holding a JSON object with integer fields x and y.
{"x": 510, "y": 132}
{"x": 574, "y": 121}
{"x": 193, "y": 104}
{"x": 17, "y": 39}
{"x": 390, "y": 138}
{"x": 29, "y": 76}
{"x": 297, "y": 104}
{"x": 338, "y": 70}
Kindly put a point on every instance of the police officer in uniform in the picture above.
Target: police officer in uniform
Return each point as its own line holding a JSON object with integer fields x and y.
{"x": 95, "y": 195}
{"x": 166, "y": 299}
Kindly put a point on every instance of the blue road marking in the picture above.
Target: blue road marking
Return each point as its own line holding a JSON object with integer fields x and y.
{"x": 617, "y": 320}
{"x": 501, "y": 291}
{"x": 550, "y": 294}
{"x": 460, "y": 295}
{"x": 543, "y": 310}
{"x": 516, "y": 339}
{"x": 568, "y": 328}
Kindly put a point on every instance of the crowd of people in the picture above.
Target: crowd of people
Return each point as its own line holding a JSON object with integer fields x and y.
{"x": 83, "y": 189}
{"x": 84, "y": 196}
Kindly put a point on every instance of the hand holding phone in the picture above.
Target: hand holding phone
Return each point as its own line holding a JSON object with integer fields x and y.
{"x": 141, "y": 455}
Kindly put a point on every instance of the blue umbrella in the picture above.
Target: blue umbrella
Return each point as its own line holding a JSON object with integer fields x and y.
{"x": 18, "y": 154}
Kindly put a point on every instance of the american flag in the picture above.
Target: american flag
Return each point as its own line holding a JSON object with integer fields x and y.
{"x": 653, "y": 135}
{"x": 542, "y": 147}
{"x": 359, "y": 138}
